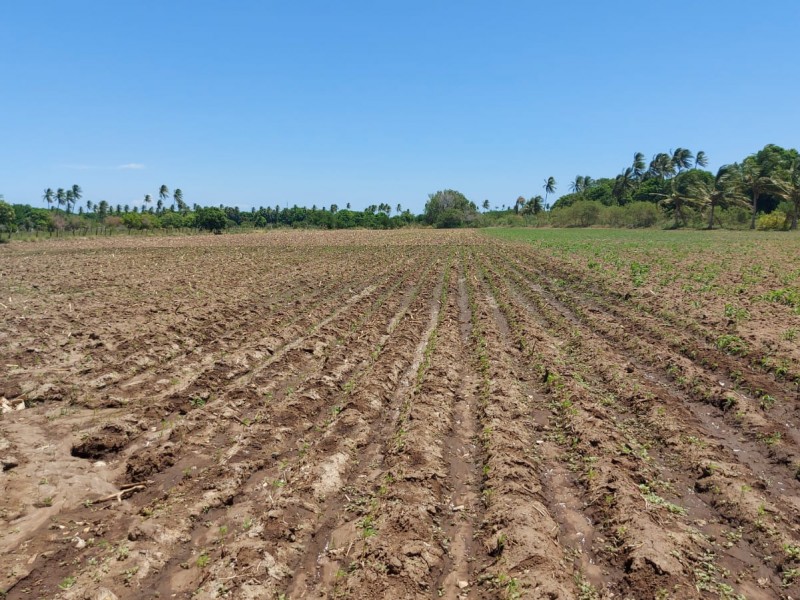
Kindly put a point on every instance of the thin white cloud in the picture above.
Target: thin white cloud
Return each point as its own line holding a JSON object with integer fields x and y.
{"x": 128, "y": 166}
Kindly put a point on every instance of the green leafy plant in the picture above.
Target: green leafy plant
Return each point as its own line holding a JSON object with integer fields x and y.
{"x": 67, "y": 582}
{"x": 732, "y": 344}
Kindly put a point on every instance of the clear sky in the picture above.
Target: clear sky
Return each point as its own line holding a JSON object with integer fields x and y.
{"x": 254, "y": 103}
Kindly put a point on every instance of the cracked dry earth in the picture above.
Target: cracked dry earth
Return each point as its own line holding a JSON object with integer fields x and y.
{"x": 410, "y": 414}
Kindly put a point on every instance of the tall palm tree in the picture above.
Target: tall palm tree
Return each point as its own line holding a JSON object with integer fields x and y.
{"x": 623, "y": 184}
{"x": 69, "y": 199}
{"x": 788, "y": 188}
{"x": 682, "y": 159}
{"x": 163, "y": 193}
{"x": 756, "y": 180}
{"x": 677, "y": 202}
{"x": 549, "y": 187}
{"x": 701, "y": 160}
{"x": 48, "y": 197}
{"x": 661, "y": 166}
{"x": 60, "y": 197}
{"x": 577, "y": 186}
{"x": 77, "y": 192}
{"x": 726, "y": 190}
{"x": 639, "y": 166}
{"x": 177, "y": 195}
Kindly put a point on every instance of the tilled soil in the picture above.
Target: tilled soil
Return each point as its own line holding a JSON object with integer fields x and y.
{"x": 412, "y": 414}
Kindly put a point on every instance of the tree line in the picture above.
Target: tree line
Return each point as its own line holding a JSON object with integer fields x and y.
{"x": 65, "y": 215}
{"x": 673, "y": 189}
{"x": 762, "y": 190}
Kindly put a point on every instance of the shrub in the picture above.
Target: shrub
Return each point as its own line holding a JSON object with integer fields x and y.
{"x": 734, "y": 217}
{"x": 776, "y": 220}
{"x": 614, "y": 216}
{"x": 583, "y": 213}
{"x": 172, "y": 220}
{"x": 642, "y": 214}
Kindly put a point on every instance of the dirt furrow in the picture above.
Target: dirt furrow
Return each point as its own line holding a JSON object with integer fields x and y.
{"x": 373, "y": 555}
{"x": 735, "y": 366}
{"x": 521, "y": 553}
{"x": 628, "y": 412}
{"x": 175, "y": 442}
{"x": 758, "y": 417}
{"x": 462, "y": 489}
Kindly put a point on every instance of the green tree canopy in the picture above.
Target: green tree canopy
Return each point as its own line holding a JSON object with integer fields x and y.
{"x": 449, "y": 208}
{"x": 211, "y": 219}
{"x": 7, "y": 217}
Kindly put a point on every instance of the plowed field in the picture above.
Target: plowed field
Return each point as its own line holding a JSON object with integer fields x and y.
{"x": 411, "y": 414}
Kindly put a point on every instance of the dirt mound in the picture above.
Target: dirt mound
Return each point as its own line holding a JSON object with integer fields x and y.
{"x": 150, "y": 461}
{"x": 109, "y": 439}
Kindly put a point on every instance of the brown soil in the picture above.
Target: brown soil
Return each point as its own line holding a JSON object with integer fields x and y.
{"x": 411, "y": 414}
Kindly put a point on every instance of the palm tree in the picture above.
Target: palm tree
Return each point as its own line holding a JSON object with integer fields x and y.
{"x": 177, "y": 195}
{"x": 147, "y": 200}
{"x": 60, "y": 197}
{"x": 788, "y": 188}
{"x": 587, "y": 182}
{"x": 661, "y": 166}
{"x": 639, "y": 166}
{"x": 623, "y": 184}
{"x": 69, "y": 199}
{"x": 399, "y": 208}
{"x": 757, "y": 181}
{"x": 701, "y": 160}
{"x": 160, "y": 205}
{"x": 163, "y": 193}
{"x": 48, "y": 197}
{"x": 682, "y": 159}
{"x": 676, "y": 201}
{"x": 549, "y": 186}
{"x": 578, "y": 185}
{"x": 536, "y": 204}
{"x": 486, "y": 205}
{"x": 89, "y": 205}
{"x": 519, "y": 204}
{"x": 77, "y": 192}
{"x": 725, "y": 191}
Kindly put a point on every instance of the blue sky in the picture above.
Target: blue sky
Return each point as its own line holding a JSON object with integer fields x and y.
{"x": 263, "y": 103}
